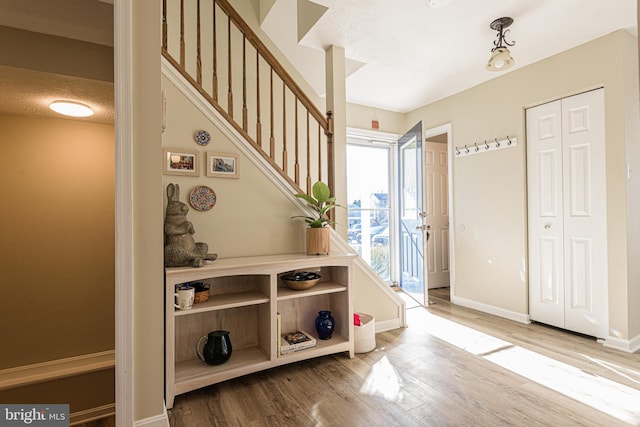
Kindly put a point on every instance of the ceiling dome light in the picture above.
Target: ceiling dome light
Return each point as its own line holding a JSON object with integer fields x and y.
{"x": 500, "y": 56}
{"x": 73, "y": 109}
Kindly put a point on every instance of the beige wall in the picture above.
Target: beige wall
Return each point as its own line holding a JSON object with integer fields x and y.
{"x": 251, "y": 215}
{"x": 56, "y": 256}
{"x": 54, "y": 54}
{"x": 489, "y": 202}
{"x": 632, "y": 146}
{"x": 148, "y": 292}
{"x": 360, "y": 117}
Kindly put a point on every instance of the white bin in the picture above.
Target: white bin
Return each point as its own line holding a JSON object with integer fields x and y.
{"x": 365, "y": 334}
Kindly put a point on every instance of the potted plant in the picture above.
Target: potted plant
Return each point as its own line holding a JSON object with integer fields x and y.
{"x": 320, "y": 202}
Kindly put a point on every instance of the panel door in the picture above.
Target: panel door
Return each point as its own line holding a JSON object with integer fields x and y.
{"x": 436, "y": 213}
{"x": 545, "y": 213}
{"x": 585, "y": 220}
{"x": 567, "y": 214}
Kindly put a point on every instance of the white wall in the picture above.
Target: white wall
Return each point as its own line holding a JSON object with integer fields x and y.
{"x": 489, "y": 203}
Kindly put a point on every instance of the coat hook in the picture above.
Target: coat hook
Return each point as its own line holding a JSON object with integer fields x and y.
{"x": 457, "y": 151}
{"x": 466, "y": 149}
{"x": 476, "y": 146}
{"x": 497, "y": 143}
{"x": 486, "y": 145}
{"x": 509, "y": 139}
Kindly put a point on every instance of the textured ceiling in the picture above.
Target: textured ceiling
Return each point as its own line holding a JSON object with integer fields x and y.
{"x": 29, "y": 92}
{"x": 401, "y": 55}
{"x": 405, "y": 54}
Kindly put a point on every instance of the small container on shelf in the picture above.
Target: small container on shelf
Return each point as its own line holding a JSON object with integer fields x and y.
{"x": 301, "y": 280}
{"x": 202, "y": 292}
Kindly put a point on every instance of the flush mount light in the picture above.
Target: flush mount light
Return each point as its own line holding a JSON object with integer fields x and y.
{"x": 73, "y": 109}
{"x": 500, "y": 56}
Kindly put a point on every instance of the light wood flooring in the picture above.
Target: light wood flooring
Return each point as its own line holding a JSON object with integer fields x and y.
{"x": 450, "y": 367}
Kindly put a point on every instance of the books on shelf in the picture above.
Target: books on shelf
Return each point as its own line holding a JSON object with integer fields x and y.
{"x": 296, "y": 341}
{"x": 278, "y": 332}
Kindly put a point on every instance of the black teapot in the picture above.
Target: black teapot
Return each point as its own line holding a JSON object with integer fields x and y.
{"x": 217, "y": 347}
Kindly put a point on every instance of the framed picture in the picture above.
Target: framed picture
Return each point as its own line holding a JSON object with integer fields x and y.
{"x": 180, "y": 162}
{"x": 222, "y": 165}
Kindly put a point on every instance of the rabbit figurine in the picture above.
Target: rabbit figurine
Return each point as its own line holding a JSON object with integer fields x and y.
{"x": 180, "y": 249}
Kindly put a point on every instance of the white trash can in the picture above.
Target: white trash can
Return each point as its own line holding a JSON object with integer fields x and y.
{"x": 365, "y": 334}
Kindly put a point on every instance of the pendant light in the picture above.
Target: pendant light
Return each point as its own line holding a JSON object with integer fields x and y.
{"x": 500, "y": 56}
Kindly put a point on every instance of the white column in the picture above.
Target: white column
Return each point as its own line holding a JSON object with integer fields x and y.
{"x": 337, "y": 104}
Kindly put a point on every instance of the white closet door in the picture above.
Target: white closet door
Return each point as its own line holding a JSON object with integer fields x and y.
{"x": 545, "y": 213}
{"x": 567, "y": 214}
{"x": 585, "y": 224}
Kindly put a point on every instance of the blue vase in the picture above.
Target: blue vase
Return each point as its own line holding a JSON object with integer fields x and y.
{"x": 325, "y": 325}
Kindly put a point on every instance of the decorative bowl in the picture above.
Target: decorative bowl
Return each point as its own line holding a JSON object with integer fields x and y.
{"x": 301, "y": 280}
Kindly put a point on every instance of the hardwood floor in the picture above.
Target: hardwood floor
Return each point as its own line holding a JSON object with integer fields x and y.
{"x": 451, "y": 367}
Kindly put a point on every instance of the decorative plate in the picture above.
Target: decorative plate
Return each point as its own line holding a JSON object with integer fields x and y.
{"x": 202, "y": 198}
{"x": 203, "y": 137}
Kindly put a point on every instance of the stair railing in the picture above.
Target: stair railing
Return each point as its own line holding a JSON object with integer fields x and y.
{"x": 216, "y": 50}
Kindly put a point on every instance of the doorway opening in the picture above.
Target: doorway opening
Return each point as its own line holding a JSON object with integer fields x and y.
{"x": 401, "y": 185}
{"x": 371, "y": 196}
{"x": 437, "y": 202}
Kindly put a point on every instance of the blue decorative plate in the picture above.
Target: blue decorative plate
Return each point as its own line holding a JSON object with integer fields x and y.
{"x": 203, "y": 137}
{"x": 202, "y": 198}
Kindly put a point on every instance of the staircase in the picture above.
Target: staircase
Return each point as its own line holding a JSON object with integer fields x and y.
{"x": 215, "y": 59}
{"x": 214, "y": 49}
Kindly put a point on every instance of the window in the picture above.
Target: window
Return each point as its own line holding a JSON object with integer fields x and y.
{"x": 370, "y": 203}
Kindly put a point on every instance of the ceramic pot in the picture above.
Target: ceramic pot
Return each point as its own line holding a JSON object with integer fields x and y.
{"x": 217, "y": 347}
{"x": 325, "y": 325}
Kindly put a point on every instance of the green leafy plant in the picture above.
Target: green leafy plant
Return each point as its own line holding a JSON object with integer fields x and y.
{"x": 321, "y": 203}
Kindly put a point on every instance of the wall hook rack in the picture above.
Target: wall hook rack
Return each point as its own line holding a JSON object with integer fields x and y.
{"x": 486, "y": 146}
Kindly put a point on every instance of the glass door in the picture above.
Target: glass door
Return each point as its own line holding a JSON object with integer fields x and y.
{"x": 369, "y": 209}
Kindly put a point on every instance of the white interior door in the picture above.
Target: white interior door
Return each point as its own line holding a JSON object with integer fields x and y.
{"x": 567, "y": 213}
{"x": 436, "y": 177}
{"x": 585, "y": 225}
{"x": 546, "y": 218}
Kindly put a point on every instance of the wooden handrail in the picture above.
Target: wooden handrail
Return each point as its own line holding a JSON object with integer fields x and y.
{"x": 310, "y": 163}
{"x": 271, "y": 60}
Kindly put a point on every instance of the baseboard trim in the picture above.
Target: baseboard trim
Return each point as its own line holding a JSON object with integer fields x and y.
{"x": 388, "y": 325}
{"x": 56, "y": 369}
{"x": 92, "y": 414}
{"x": 161, "y": 420}
{"x": 628, "y": 346}
{"x": 490, "y": 309}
